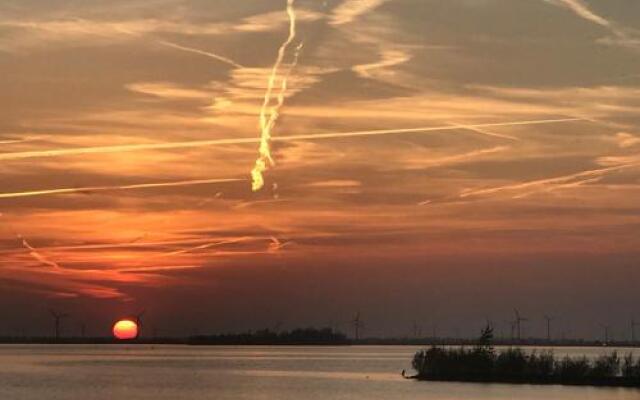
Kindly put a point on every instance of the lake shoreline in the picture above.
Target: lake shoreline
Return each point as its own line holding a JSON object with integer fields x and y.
{"x": 610, "y": 383}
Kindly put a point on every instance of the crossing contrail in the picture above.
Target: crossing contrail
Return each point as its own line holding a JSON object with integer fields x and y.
{"x": 90, "y": 189}
{"x": 268, "y": 122}
{"x": 290, "y": 138}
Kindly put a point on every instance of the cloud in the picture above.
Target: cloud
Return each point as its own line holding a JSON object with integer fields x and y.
{"x": 350, "y": 10}
{"x": 625, "y": 140}
{"x": 168, "y": 90}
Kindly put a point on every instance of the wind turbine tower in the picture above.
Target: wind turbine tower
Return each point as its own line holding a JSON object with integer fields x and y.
{"x": 417, "y": 332}
{"x": 633, "y": 330}
{"x": 138, "y": 319}
{"x": 57, "y": 318}
{"x": 358, "y": 324}
{"x": 606, "y": 329}
{"x": 548, "y": 319}
{"x": 519, "y": 320}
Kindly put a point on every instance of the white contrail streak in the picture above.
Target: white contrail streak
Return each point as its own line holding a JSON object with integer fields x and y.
{"x": 37, "y": 256}
{"x": 624, "y": 35}
{"x": 583, "y": 176}
{"x": 581, "y": 9}
{"x": 168, "y": 244}
{"x": 218, "y": 57}
{"x": 202, "y": 247}
{"x": 267, "y": 123}
{"x": 556, "y": 187}
{"x": 484, "y": 132}
{"x": 90, "y": 189}
{"x": 221, "y": 142}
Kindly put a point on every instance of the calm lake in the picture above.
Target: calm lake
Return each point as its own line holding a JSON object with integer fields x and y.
{"x": 182, "y": 372}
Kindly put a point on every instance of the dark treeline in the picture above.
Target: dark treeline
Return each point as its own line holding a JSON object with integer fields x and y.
{"x": 482, "y": 363}
{"x": 448, "y": 341}
{"x": 86, "y": 340}
{"x": 306, "y": 336}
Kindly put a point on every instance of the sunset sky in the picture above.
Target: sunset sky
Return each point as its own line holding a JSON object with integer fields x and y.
{"x": 437, "y": 161}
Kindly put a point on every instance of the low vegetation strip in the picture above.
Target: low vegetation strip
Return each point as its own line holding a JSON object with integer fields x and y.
{"x": 482, "y": 363}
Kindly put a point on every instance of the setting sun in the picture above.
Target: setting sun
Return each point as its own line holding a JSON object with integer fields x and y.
{"x": 125, "y": 329}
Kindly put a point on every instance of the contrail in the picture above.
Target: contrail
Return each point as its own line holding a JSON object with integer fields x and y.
{"x": 484, "y": 132}
{"x": 559, "y": 186}
{"x": 202, "y": 247}
{"x": 89, "y": 189}
{"x": 37, "y": 256}
{"x": 158, "y": 244}
{"x": 265, "y": 160}
{"x": 463, "y": 157}
{"x": 566, "y": 179}
{"x": 220, "y": 58}
{"x": 417, "y": 130}
{"x": 581, "y": 9}
{"x": 221, "y": 142}
{"x": 275, "y": 245}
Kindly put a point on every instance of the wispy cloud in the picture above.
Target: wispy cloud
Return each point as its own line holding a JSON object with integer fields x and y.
{"x": 350, "y": 10}
{"x": 169, "y": 90}
{"x": 626, "y": 140}
{"x": 388, "y": 58}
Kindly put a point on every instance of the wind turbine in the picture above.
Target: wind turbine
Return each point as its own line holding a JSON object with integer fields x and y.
{"x": 512, "y": 326}
{"x": 606, "y": 329}
{"x": 519, "y": 320}
{"x": 434, "y": 331}
{"x": 57, "y": 318}
{"x": 357, "y": 325}
{"x": 548, "y": 319}
{"x": 489, "y": 322}
{"x": 138, "y": 319}
{"x": 417, "y": 331}
{"x": 277, "y": 326}
{"x": 633, "y": 330}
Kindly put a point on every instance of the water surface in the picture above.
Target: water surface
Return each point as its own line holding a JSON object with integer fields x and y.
{"x": 183, "y": 372}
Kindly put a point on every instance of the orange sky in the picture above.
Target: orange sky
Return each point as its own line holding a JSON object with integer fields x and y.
{"x": 491, "y": 140}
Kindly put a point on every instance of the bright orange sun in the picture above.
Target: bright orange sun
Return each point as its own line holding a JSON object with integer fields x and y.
{"x": 125, "y": 329}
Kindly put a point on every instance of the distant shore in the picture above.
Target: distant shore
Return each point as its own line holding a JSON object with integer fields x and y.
{"x": 483, "y": 362}
{"x": 202, "y": 341}
{"x": 609, "y": 382}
